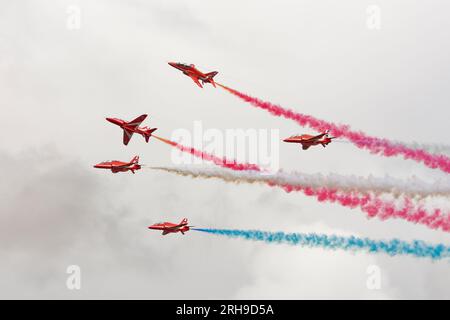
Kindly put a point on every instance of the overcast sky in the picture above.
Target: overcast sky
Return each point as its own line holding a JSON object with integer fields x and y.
{"x": 57, "y": 84}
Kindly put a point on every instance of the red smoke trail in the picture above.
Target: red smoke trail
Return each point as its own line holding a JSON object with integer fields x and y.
{"x": 223, "y": 162}
{"x": 372, "y": 205}
{"x": 360, "y": 139}
{"x": 376, "y": 207}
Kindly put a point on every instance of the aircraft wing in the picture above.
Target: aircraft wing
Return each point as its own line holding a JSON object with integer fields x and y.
{"x": 123, "y": 165}
{"x": 317, "y": 137}
{"x": 127, "y": 134}
{"x": 196, "y": 81}
{"x": 173, "y": 227}
{"x": 136, "y": 122}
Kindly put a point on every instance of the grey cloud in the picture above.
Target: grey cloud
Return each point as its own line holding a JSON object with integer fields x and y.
{"x": 57, "y": 86}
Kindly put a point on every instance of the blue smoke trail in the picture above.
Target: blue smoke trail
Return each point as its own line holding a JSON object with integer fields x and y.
{"x": 416, "y": 248}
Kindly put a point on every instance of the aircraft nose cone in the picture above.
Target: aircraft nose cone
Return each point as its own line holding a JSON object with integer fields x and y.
{"x": 110, "y": 120}
{"x": 173, "y": 64}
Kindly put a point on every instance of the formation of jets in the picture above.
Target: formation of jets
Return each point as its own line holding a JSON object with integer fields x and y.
{"x": 131, "y": 127}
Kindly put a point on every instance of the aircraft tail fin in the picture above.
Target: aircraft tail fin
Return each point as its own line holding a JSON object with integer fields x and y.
{"x": 135, "y": 160}
{"x": 184, "y": 221}
{"x": 210, "y": 76}
{"x": 148, "y": 133}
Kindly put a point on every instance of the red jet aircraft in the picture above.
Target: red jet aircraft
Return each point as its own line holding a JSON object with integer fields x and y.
{"x": 130, "y": 127}
{"x": 169, "y": 227}
{"x": 119, "y": 166}
{"x": 307, "y": 140}
{"x": 191, "y": 71}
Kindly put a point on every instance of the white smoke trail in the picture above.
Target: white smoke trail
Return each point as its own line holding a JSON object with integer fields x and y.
{"x": 412, "y": 187}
